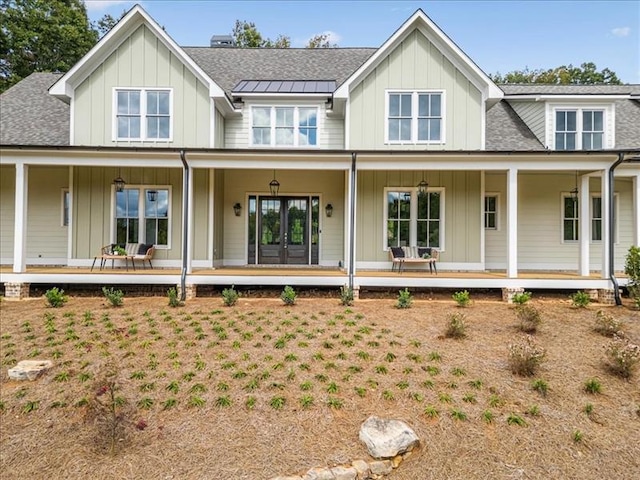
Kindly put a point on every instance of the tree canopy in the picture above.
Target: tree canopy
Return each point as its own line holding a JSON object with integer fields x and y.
{"x": 246, "y": 35}
{"x": 585, "y": 74}
{"x": 42, "y": 35}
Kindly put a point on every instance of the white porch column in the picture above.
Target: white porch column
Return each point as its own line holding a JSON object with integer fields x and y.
{"x": 351, "y": 190}
{"x": 482, "y": 229}
{"x": 606, "y": 220}
{"x": 211, "y": 254}
{"x": 584, "y": 221}
{"x": 70, "y": 223}
{"x": 636, "y": 210}
{"x": 20, "y": 225}
{"x": 512, "y": 223}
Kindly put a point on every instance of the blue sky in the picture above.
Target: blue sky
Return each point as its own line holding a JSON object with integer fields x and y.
{"x": 499, "y": 36}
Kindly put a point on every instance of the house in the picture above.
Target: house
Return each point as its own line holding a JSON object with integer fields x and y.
{"x": 233, "y": 162}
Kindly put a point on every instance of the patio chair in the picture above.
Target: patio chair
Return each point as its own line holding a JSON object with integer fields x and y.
{"x": 397, "y": 258}
{"x": 104, "y": 252}
{"x": 145, "y": 254}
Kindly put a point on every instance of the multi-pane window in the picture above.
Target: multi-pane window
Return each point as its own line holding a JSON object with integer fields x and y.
{"x": 66, "y": 206}
{"x": 143, "y": 114}
{"x": 284, "y": 126}
{"x": 491, "y": 212}
{"x": 579, "y": 129}
{"x": 415, "y": 117}
{"x": 142, "y": 216}
{"x": 570, "y": 225}
{"x": 596, "y": 218}
{"x": 413, "y": 218}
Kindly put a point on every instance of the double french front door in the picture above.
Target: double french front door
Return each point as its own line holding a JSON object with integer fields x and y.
{"x": 283, "y": 230}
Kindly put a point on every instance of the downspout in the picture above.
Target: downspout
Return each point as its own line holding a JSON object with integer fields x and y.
{"x": 612, "y": 276}
{"x": 352, "y": 221}
{"x": 185, "y": 223}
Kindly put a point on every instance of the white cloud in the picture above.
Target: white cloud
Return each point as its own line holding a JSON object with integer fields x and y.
{"x": 621, "y": 31}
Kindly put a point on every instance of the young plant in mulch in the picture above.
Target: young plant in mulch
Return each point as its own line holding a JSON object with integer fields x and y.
{"x": 632, "y": 271}
{"x": 174, "y": 300}
{"x": 55, "y": 297}
{"x": 114, "y": 297}
{"x": 346, "y": 296}
{"x": 404, "y": 299}
{"x": 288, "y": 295}
{"x": 528, "y": 317}
{"x": 580, "y": 299}
{"x": 607, "y": 325}
{"x": 593, "y": 386}
{"x": 541, "y": 386}
{"x": 462, "y": 298}
{"x": 456, "y": 326}
{"x": 622, "y": 356}
{"x": 525, "y": 356}
{"x": 520, "y": 298}
{"x": 230, "y": 296}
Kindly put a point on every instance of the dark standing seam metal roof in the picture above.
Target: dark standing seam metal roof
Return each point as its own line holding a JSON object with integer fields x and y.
{"x": 284, "y": 86}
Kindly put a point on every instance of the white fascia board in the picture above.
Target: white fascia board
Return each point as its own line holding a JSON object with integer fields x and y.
{"x": 579, "y": 98}
{"x": 113, "y": 39}
{"x": 436, "y": 36}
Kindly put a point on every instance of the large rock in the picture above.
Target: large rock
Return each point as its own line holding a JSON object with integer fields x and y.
{"x": 29, "y": 369}
{"x": 387, "y": 438}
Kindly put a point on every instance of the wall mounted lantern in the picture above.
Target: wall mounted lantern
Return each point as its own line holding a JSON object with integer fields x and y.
{"x": 329, "y": 210}
{"x": 237, "y": 208}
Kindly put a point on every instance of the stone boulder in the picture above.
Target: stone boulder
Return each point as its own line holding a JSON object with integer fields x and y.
{"x": 387, "y": 438}
{"x": 29, "y": 369}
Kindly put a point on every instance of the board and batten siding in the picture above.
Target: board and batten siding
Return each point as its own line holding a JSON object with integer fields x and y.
{"x": 7, "y": 212}
{"x": 533, "y": 114}
{"x": 416, "y": 64}
{"x": 92, "y": 207}
{"x": 141, "y": 61}
{"x": 540, "y": 243}
{"x": 330, "y": 128}
{"x": 461, "y": 214}
{"x": 328, "y": 185}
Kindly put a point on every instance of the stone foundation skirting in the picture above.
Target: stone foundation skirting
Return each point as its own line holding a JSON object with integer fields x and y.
{"x": 509, "y": 292}
{"x": 16, "y": 290}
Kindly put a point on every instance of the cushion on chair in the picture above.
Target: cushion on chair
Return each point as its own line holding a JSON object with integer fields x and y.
{"x": 143, "y": 248}
{"x": 397, "y": 252}
{"x": 131, "y": 248}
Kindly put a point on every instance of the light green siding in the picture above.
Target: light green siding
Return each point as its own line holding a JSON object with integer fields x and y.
{"x": 141, "y": 61}
{"x": 218, "y": 213}
{"x": 329, "y": 185}
{"x": 416, "y": 64}
{"x": 93, "y": 198}
{"x": 461, "y": 214}
{"x": 201, "y": 214}
{"x": 540, "y": 243}
{"x": 7, "y": 212}
{"x": 219, "y": 130}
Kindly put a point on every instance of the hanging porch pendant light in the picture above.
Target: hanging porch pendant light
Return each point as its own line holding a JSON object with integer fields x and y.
{"x": 119, "y": 183}
{"x": 274, "y": 185}
{"x": 574, "y": 192}
{"x": 422, "y": 186}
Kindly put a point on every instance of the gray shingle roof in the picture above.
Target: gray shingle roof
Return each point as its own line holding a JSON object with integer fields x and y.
{"x": 30, "y": 116}
{"x": 506, "y": 131}
{"x": 627, "y": 124}
{"x": 228, "y": 66}
{"x": 535, "y": 89}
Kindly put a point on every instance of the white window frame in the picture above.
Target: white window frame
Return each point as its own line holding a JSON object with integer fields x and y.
{"x": 296, "y": 126}
{"x": 496, "y": 195}
{"x": 143, "y": 114}
{"x": 563, "y": 196}
{"x": 414, "y": 117}
{"x": 141, "y": 213}
{"x": 65, "y": 210}
{"x": 413, "y": 227}
{"x": 608, "y": 116}
{"x": 591, "y": 217}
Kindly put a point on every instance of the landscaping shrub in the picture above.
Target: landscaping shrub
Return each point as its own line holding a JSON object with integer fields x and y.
{"x": 623, "y": 356}
{"x": 632, "y": 270}
{"x": 528, "y": 318}
{"x": 456, "y": 326}
{"x": 172, "y": 294}
{"x": 525, "y": 356}
{"x": 346, "y": 296}
{"x": 288, "y": 295}
{"x": 404, "y": 299}
{"x": 230, "y": 296}
{"x": 55, "y": 297}
{"x": 580, "y": 299}
{"x": 521, "y": 298}
{"x": 607, "y": 325}
{"x": 593, "y": 386}
{"x": 462, "y": 298}
{"x": 113, "y": 296}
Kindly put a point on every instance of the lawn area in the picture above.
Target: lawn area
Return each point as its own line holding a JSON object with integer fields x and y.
{"x": 262, "y": 389}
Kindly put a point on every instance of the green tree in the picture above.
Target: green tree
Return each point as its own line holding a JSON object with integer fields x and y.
{"x": 42, "y": 35}
{"x": 246, "y": 35}
{"x": 585, "y": 74}
{"x": 321, "y": 40}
